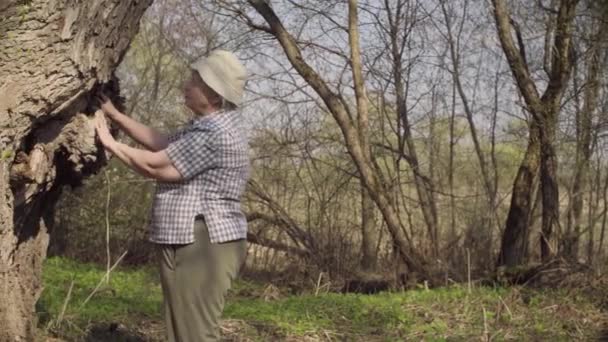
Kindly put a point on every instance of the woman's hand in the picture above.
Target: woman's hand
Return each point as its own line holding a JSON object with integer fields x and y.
{"x": 101, "y": 127}
{"x": 106, "y": 105}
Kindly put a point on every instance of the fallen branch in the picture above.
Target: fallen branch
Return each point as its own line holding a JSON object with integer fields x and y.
{"x": 258, "y": 240}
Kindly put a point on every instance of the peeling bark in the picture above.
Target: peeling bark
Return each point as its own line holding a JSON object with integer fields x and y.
{"x": 54, "y": 55}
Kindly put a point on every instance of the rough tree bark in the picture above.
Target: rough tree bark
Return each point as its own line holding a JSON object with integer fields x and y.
{"x": 514, "y": 247}
{"x": 369, "y": 232}
{"x": 54, "y": 54}
{"x": 544, "y": 110}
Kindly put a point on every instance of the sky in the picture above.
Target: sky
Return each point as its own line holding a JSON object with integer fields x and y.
{"x": 277, "y": 95}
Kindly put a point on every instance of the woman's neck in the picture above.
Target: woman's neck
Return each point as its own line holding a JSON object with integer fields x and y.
{"x": 207, "y": 111}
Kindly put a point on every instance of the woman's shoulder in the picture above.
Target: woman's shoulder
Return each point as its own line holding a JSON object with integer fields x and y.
{"x": 205, "y": 124}
{"x": 224, "y": 121}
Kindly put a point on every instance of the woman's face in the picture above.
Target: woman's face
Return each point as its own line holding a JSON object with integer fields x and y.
{"x": 198, "y": 96}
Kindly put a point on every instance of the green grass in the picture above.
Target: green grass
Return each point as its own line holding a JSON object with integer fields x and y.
{"x": 130, "y": 296}
{"x": 443, "y": 314}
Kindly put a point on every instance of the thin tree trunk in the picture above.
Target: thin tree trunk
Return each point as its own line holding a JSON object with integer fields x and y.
{"x": 584, "y": 147}
{"x": 451, "y": 165}
{"x": 454, "y": 43}
{"x": 595, "y": 191}
{"x": 433, "y": 148}
{"x": 600, "y": 247}
{"x": 357, "y": 150}
{"x": 424, "y": 186}
{"x": 368, "y": 260}
{"x": 570, "y": 245}
{"x": 369, "y": 232}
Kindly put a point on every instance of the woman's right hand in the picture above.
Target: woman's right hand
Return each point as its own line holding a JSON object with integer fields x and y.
{"x": 106, "y": 105}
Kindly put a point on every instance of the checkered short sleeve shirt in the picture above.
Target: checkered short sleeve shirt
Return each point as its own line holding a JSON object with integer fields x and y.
{"x": 212, "y": 155}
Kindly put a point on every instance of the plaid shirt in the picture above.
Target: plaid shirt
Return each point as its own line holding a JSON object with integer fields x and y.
{"x": 212, "y": 154}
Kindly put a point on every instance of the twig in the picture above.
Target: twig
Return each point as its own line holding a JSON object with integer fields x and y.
{"x": 105, "y": 276}
{"x": 318, "y": 284}
{"x": 506, "y": 307}
{"x": 108, "y": 256}
{"x": 65, "y": 304}
{"x": 485, "y": 325}
{"x": 469, "y": 270}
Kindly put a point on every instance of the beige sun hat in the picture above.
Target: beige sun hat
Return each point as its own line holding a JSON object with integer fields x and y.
{"x": 224, "y": 73}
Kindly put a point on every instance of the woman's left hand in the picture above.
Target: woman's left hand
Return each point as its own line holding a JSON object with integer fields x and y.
{"x": 101, "y": 126}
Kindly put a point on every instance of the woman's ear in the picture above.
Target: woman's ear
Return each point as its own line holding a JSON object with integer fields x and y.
{"x": 217, "y": 101}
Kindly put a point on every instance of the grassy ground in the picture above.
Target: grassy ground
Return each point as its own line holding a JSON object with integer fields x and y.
{"x": 128, "y": 309}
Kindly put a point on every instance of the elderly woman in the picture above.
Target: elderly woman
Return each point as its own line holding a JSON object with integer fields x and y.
{"x": 196, "y": 220}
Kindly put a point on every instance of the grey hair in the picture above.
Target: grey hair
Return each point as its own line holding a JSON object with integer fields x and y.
{"x": 227, "y": 105}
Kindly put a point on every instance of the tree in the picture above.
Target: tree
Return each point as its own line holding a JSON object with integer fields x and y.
{"x": 55, "y": 56}
{"x": 544, "y": 110}
{"x": 401, "y": 20}
{"x": 592, "y": 52}
{"x": 353, "y": 131}
{"x": 456, "y": 19}
{"x": 454, "y": 43}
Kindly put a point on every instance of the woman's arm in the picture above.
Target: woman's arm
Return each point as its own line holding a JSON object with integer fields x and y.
{"x": 156, "y": 165}
{"x": 147, "y": 136}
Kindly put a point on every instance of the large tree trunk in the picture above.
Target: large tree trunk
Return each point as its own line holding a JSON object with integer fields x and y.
{"x": 514, "y": 246}
{"x": 53, "y": 55}
{"x": 424, "y": 185}
{"x": 559, "y": 75}
{"x": 544, "y": 111}
{"x": 550, "y": 192}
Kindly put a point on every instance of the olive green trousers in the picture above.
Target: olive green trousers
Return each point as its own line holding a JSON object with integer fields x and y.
{"x": 195, "y": 279}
